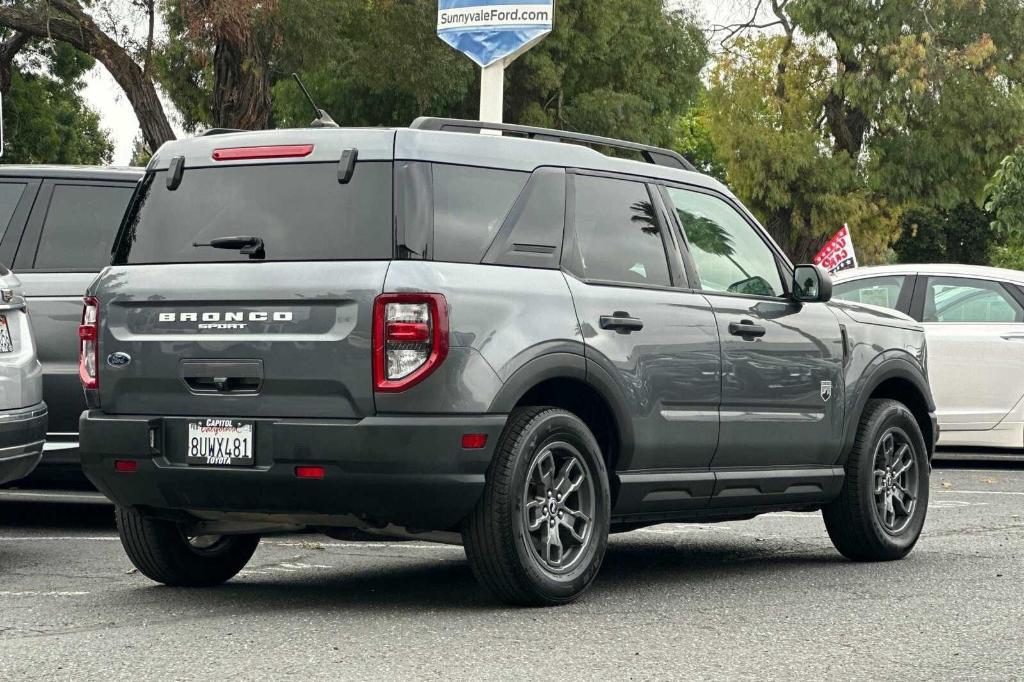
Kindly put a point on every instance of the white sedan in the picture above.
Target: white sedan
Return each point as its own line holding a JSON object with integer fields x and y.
{"x": 974, "y": 321}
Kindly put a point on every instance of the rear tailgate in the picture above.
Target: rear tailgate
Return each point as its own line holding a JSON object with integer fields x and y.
{"x": 191, "y": 323}
{"x": 239, "y": 339}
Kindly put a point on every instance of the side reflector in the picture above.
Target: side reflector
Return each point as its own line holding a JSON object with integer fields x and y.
{"x": 474, "y": 441}
{"x": 284, "y": 151}
{"x": 309, "y": 472}
{"x": 126, "y": 466}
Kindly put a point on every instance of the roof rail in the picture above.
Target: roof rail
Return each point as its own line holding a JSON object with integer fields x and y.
{"x": 652, "y": 155}
{"x": 220, "y": 131}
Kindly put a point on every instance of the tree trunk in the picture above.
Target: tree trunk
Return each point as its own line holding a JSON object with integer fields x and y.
{"x": 8, "y": 50}
{"x": 241, "y": 93}
{"x": 65, "y": 21}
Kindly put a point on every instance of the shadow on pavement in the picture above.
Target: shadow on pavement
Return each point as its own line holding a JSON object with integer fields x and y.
{"x": 39, "y": 515}
{"x": 442, "y": 584}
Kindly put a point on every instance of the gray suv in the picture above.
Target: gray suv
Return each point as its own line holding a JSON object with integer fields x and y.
{"x": 57, "y": 224}
{"x": 514, "y": 342}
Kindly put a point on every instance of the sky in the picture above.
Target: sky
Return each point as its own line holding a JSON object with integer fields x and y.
{"x": 105, "y": 96}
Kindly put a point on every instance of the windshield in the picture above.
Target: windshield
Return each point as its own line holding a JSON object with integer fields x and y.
{"x": 300, "y": 211}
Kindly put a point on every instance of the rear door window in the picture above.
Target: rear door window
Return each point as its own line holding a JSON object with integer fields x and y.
{"x": 80, "y": 226}
{"x": 880, "y": 291}
{"x": 619, "y": 237}
{"x": 300, "y": 211}
{"x": 470, "y": 205}
{"x": 955, "y": 299}
{"x": 10, "y": 195}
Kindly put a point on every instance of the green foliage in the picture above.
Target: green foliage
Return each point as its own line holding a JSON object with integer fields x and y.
{"x": 1009, "y": 254}
{"x": 779, "y": 160}
{"x": 960, "y": 235}
{"x": 1004, "y": 194}
{"x": 693, "y": 140}
{"x": 45, "y": 118}
{"x": 871, "y": 108}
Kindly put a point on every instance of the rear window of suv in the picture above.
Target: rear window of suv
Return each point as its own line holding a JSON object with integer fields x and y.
{"x": 300, "y": 211}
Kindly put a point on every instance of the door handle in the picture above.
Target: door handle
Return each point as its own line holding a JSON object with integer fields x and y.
{"x": 1013, "y": 337}
{"x": 747, "y": 329}
{"x": 621, "y": 322}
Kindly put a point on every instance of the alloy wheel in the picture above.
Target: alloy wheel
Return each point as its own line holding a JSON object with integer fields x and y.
{"x": 558, "y": 506}
{"x": 895, "y": 481}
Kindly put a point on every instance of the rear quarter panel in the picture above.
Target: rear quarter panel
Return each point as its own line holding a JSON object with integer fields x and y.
{"x": 500, "y": 318}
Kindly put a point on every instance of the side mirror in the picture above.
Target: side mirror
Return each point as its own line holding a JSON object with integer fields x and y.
{"x": 812, "y": 284}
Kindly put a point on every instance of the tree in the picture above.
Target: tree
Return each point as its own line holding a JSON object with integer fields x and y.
{"x": 45, "y": 118}
{"x": 1004, "y": 195}
{"x": 216, "y": 63}
{"x": 960, "y": 235}
{"x": 855, "y": 111}
{"x": 66, "y": 21}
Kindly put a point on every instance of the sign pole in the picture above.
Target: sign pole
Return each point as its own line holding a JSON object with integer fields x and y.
{"x": 492, "y": 92}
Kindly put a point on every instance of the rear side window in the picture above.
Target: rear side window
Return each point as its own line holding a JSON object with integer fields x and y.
{"x": 10, "y": 195}
{"x": 880, "y": 291}
{"x": 470, "y": 205}
{"x": 80, "y": 226}
{"x": 954, "y": 299}
{"x": 619, "y": 238}
{"x": 300, "y": 211}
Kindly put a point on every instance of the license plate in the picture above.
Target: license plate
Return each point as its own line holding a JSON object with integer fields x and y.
{"x": 6, "y": 343}
{"x": 220, "y": 442}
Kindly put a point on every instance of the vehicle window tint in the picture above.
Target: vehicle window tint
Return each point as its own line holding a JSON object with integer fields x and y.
{"x": 299, "y": 210}
{"x": 729, "y": 254}
{"x": 952, "y": 299}
{"x": 80, "y": 226}
{"x": 880, "y": 291}
{"x": 618, "y": 235}
{"x": 10, "y": 195}
{"x": 470, "y": 204}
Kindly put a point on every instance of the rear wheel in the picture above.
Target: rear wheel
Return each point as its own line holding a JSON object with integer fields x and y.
{"x": 880, "y": 512}
{"x": 163, "y": 552}
{"x": 539, "y": 533}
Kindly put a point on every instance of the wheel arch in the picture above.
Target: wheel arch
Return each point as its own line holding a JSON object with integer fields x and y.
{"x": 562, "y": 380}
{"x": 897, "y": 378}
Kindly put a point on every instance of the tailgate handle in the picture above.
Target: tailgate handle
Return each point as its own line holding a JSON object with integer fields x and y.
{"x": 221, "y": 377}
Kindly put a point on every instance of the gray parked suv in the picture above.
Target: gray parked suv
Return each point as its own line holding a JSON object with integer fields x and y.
{"x": 512, "y": 342}
{"x": 57, "y": 224}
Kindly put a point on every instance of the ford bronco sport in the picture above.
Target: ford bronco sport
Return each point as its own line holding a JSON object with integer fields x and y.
{"x": 514, "y": 342}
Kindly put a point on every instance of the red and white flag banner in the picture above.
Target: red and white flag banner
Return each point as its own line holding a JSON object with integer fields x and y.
{"x": 838, "y": 253}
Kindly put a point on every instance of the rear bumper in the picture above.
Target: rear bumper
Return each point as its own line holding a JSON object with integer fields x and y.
{"x": 22, "y": 434}
{"x": 410, "y": 471}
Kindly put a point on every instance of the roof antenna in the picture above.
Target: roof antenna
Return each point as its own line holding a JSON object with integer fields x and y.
{"x": 321, "y": 118}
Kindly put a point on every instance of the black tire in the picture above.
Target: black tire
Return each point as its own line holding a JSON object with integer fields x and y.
{"x": 501, "y": 548}
{"x": 162, "y": 552}
{"x": 858, "y": 520}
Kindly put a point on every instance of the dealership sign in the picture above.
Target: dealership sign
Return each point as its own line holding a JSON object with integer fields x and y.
{"x": 838, "y": 253}
{"x": 488, "y": 31}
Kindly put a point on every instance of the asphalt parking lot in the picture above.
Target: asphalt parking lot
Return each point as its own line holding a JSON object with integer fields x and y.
{"x": 767, "y": 598}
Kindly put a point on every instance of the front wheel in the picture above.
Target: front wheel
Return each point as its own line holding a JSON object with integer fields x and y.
{"x": 539, "y": 533}
{"x": 880, "y": 511}
{"x": 164, "y": 552}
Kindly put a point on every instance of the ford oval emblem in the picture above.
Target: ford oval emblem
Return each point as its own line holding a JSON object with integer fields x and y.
{"x": 118, "y": 359}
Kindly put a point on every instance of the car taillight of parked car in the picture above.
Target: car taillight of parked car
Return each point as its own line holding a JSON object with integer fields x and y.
{"x": 410, "y": 339}
{"x": 88, "y": 344}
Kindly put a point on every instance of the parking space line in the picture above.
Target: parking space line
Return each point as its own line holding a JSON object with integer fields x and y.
{"x": 982, "y": 492}
{"x": 59, "y": 538}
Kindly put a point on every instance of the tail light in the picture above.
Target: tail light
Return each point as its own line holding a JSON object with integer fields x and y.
{"x": 88, "y": 343}
{"x": 410, "y": 339}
